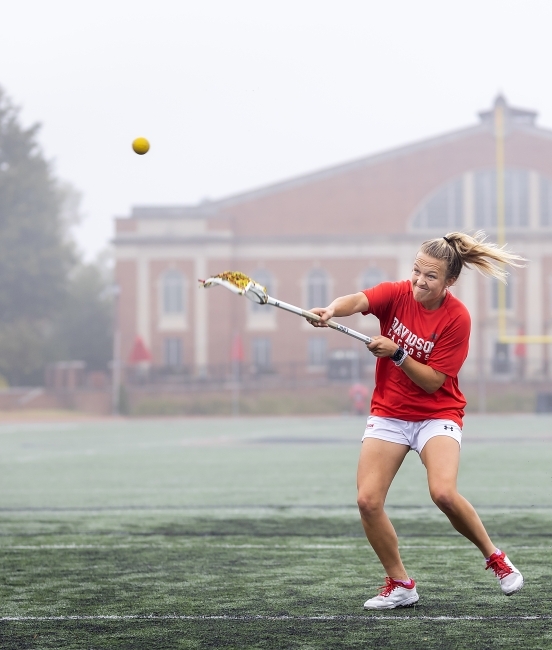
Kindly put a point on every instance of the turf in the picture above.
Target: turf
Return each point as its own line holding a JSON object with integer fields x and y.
{"x": 211, "y": 533}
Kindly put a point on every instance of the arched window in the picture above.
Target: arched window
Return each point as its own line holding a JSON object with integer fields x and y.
{"x": 264, "y": 278}
{"x": 172, "y": 292}
{"x": 371, "y": 277}
{"x": 444, "y": 210}
{"x": 516, "y": 198}
{"x": 317, "y": 289}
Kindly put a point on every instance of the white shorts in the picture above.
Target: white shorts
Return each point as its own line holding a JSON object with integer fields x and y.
{"x": 413, "y": 434}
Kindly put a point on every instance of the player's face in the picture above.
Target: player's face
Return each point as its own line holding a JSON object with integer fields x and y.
{"x": 429, "y": 283}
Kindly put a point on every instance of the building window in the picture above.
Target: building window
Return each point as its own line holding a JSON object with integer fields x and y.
{"x": 444, "y": 210}
{"x": 516, "y": 198}
{"x": 261, "y": 353}
{"x": 317, "y": 351}
{"x": 485, "y": 199}
{"x": 172, "y": 292}
{"x": 545, "y": 202}
{"x": 371, "y": 277}
{"x": 264, "y": 278}
{"x": 172, "y": 352}
{"x": 495, "y": 292}
{"x": 501, "y": 359}
{"x": 317, "y": 289}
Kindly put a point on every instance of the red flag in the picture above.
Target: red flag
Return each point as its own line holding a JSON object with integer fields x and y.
{"x": 520, "y": 349}
{"x": 139, "y": 351}
{"x": 237, "y": 352}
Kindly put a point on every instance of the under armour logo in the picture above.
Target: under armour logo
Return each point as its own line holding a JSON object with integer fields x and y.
{"x": 446, "y": 427}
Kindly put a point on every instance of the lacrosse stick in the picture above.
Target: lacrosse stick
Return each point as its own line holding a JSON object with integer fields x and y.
{"x": 242, "y": 285}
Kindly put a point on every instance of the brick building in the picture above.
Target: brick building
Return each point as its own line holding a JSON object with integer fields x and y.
{"x": 334, "y": 232}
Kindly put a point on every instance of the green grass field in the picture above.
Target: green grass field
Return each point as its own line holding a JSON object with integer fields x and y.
{"x": 244, "y": 533}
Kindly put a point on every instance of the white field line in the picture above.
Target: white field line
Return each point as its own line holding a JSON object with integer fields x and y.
{"x": 361, "y": 545}
{"x": 291, "y": 547}
{"x": 65, "y": 547}
{"x": 345, "y": 617}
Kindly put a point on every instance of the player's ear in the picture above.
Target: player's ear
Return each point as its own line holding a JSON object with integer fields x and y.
{"x": 451, "y": 282}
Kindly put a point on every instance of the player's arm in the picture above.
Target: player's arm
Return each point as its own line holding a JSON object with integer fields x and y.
{"x": 422, "y": 375}
{"x": 342, "y": 306}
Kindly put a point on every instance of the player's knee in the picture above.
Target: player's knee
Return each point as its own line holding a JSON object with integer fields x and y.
{"x": 369, "y": 504}
{"x": 443, "y": 498}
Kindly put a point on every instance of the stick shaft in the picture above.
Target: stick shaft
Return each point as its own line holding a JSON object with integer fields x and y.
{"x": 309, "y": 315}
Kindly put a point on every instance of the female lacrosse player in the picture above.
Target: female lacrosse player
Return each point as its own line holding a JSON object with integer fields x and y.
{"x": 417, "y": 403}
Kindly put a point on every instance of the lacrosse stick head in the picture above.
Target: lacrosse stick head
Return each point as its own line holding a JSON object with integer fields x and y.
{"x": 238, "y": 283}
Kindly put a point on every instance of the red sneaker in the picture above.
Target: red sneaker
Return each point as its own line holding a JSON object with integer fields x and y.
{"x": 393, "y": 594}
{"x": 509, "y": 577}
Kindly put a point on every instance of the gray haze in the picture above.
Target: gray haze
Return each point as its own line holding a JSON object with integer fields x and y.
{"x": 234, "y": 94}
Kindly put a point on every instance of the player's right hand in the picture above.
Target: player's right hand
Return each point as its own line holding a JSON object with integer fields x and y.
{"x": 325, "y": 314}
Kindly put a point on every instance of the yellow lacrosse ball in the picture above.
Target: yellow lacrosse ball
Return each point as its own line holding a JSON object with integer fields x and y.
{"x": 140, "y": 146}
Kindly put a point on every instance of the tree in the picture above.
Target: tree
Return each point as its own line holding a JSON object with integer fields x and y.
{"x": 83, "y": 326}
{"x": 23, "y": 352}
{"x": 34, "y": 256}
{"x": 51, "y": 304}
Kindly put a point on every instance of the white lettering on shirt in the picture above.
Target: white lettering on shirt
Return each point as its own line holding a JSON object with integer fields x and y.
{"x": 415, "y": 345}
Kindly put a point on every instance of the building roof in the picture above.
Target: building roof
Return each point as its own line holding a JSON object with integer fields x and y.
{"x": 517, "y": 119}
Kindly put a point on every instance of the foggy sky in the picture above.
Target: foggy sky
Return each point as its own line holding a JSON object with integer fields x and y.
{"x": 236, "y": 94}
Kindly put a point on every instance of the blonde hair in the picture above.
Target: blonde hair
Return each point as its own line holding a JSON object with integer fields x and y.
{"x": 458, "y": 249}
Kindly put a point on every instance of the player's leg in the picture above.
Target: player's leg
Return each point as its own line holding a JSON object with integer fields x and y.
{"x": 378, "y": 464}
{"x": 441, "y": 457}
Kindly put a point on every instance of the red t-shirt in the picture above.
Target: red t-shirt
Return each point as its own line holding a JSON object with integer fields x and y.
{"x": 438, "y": 338}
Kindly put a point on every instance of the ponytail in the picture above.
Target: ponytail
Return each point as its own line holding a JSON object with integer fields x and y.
{"x": 458, "y": 249}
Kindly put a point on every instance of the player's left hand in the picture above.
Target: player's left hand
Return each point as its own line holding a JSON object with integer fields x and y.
{"x": 381, "y": 346}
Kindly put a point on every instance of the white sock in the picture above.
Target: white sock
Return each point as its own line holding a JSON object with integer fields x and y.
{"x": 406, "y": 583}
{"x": 497, "y": 551}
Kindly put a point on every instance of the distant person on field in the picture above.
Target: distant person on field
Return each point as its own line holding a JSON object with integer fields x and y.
{"x": 417, "y": 404}
{"x": 359, "y": 398}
